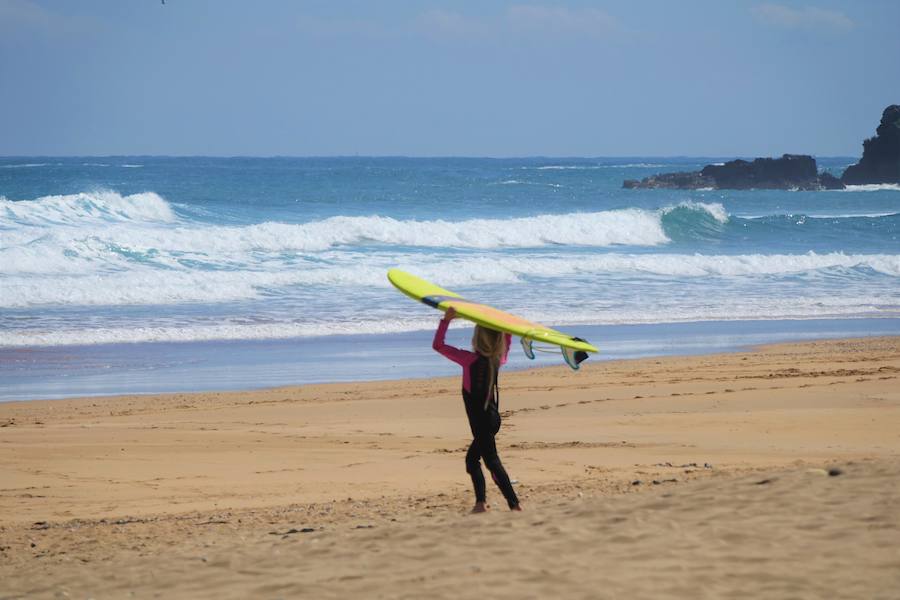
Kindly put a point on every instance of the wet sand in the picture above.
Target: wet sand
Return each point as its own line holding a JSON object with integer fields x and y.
{"x": 702, "y": 476}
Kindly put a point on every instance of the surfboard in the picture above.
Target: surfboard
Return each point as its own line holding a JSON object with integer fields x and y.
{"x": 574, "y": 349}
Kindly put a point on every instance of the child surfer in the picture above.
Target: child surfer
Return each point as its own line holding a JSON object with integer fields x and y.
{"x": 479, "y": 390}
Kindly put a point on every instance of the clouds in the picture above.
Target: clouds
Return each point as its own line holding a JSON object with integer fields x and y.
{"x": 324, "y": 27}
{"x": 449, "y": 24}
{"x": 513, "y": 23}
{"x": 559, "y": 20}
{"x": 24, "y": 17}
{"x": 809, "y": 17}
{"x": 531, "y": 21}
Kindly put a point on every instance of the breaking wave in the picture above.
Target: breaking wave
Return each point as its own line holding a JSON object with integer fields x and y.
{"x": 67, "y": 220}
{"x": 147, "y": 284}
{"x": 87, "y": 207}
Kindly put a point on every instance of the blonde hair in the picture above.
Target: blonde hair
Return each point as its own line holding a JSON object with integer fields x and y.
{"x": 491, "y": 345}
{"x": 488, "y": 343}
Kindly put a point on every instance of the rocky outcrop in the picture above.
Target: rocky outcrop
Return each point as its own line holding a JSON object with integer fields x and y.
{"x": 791, "y": 171}
{"x": 688, "y": 180}
{"x": 830, "y": 182}
{"x": 880, "y": 162}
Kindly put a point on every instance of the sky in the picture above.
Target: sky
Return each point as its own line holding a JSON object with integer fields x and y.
{"x": 463, "y": 78}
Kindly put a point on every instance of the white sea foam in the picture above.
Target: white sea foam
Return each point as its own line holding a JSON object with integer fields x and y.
{"x": 680, "y": 265}
{"x": 564, "y": 167}
{"x": 103, "y": 248}
{"x": 111, "y": 245}
{"x": 142, "y": 286}
{"x": 621, "y": 227}
{"x": 560, "y": 316}
{"x": 150, "y": 285}
{"x": 819, "y": 215}
{"x": 130, "y": 223}
{"x": 592, "y": 167}
{"x": 850, "y": 215}
{"x": 633, "y": 165}
{"x": 873, "y": 187}
{"x": 506, "y": 269}
{"x": 87, "y": 207}
{"x": 518, "y": 182}
{"x": 714, "y": 209}
{"x": 230, "y": 331}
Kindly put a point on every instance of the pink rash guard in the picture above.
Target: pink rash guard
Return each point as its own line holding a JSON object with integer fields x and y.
{"x": 463, "y": 358}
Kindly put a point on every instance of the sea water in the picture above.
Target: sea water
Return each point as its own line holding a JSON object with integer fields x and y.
{"x": 141, "y": 274}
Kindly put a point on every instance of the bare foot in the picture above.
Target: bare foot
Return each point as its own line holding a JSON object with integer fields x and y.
{"x": 517, "y": 507}
{"x": 479, "y": 507}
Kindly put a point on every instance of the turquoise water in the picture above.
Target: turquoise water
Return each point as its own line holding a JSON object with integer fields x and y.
{"x": 149, "y": 250}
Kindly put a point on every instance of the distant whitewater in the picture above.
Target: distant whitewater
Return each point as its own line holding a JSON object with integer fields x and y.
{"x": 230, "y": 249}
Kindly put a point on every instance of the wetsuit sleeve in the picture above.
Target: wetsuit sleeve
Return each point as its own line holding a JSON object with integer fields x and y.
{"x": 460, "y": 357}
{"x": 507, "y": 338}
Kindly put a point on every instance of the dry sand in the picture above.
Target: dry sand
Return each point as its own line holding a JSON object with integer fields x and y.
{"x": 359, "y": 490}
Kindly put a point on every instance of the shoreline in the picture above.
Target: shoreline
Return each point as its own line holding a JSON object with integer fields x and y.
{"x": 331, "y": 489}
{"x": 251, "y": 365}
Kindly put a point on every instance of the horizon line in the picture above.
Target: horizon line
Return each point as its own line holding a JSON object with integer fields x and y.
{"x": 422, "y": 157}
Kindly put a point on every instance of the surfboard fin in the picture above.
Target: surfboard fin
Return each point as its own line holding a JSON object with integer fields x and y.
{"x": 574, "y": 358}
{"x": 526, "y": 347}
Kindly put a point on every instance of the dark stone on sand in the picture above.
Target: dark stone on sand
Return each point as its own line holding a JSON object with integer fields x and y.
{"x": 880, "y": 162}
{"x": 292, "y": 531}
{"x": 764, "y": 482}
{"x": 790, "y": 172}
{"x": 636, "y": 482}
{"x": 835, "y": 472}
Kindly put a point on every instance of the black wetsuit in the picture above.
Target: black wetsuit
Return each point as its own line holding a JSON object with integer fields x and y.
{"x": 484, "y": 419}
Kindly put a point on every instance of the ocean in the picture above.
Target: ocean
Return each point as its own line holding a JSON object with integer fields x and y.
{"x": 147, "y": 274}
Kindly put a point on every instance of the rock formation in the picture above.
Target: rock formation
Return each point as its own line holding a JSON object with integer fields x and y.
{"x": 880, "y": 162}
{"x": 687, "y": 180}
{"x": 791, "y": 171}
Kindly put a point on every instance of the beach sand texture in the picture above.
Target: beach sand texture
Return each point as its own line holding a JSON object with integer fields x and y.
{"x": 359, "y": 490}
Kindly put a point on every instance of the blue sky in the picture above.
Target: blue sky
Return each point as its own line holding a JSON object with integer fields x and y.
{"x": 480, "y": 78}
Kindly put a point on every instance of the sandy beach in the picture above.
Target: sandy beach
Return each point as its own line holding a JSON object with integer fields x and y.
{"x": 773, "y": 472}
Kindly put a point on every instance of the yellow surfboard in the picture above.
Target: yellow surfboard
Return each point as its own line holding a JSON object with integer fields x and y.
{"x": 574, "y": 349}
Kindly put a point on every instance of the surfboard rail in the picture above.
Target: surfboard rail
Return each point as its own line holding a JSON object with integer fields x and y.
{"x": 575, "y": 350}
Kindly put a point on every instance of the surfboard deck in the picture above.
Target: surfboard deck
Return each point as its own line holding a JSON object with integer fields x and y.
{"x": 482, "y": 314}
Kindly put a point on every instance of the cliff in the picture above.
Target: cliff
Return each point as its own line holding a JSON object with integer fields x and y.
{"x": 880, "y": 162}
